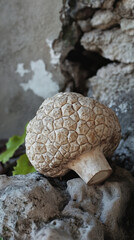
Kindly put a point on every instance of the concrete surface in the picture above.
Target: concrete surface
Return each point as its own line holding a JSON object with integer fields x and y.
{"x": 28, "y": 65}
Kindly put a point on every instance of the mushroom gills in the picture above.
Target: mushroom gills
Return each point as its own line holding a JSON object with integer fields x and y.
{"x": 91, "y": 166}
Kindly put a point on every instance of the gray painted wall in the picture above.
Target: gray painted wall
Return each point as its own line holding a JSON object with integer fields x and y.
{"x": 28, "y": 66}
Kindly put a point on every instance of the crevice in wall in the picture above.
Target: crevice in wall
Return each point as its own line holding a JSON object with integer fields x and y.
{"x": 116, "y": 3}
{"x": 76, "y": 63}
{"x": 79, "y": 65}
{"x": 116, "y": 25}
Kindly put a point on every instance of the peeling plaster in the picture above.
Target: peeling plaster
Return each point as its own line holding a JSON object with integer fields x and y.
{"x": 21, "y": 70}
{"x": 41, "y": 83}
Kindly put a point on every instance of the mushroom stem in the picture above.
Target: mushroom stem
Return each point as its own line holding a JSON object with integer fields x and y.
{"x": 91, "y": 166}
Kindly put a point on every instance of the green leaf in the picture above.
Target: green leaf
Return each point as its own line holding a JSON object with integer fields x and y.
{"x": 23, "y": 166}
{"x": 11, "y": 146}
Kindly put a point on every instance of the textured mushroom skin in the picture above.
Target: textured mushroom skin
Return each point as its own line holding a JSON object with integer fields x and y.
{"x": 64, "y": 127}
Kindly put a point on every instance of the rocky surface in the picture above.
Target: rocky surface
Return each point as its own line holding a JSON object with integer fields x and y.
{"x": 116, "y": 45}
{"x": 113, "y": 85}
{"x": 33, "y": 207}
{"x": 25, "y": 200}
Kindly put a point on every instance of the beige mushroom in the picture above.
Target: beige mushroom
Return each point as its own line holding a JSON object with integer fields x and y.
{"x": 71, "y": 131}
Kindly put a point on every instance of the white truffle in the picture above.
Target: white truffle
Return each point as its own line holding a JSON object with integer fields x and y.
{"x": 71, "y": 131}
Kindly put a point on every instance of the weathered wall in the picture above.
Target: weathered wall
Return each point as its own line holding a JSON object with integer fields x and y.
{"x": 28, "y": 70}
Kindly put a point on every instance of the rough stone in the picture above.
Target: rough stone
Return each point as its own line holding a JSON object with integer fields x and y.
{"x": 104, "y": 19}
{"x": 111, "y": 81}
{"x": 105, "y": 32}
{"x": 33, "y": 207}
{"x": 48, "y": 233}
{"x": 113, "y": 85}
{"x": 23, "y": 201}
{"x": 85, "y": 25}
{"x": 125, "y": 8}
{"x": 127, "y": 25}
{"x": 104, "y": 202}
{"x": 85, "y": 3}
{"x": 114, "y": 45}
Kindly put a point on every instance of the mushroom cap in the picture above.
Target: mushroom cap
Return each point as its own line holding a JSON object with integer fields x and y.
{"x": 65, "y": 126}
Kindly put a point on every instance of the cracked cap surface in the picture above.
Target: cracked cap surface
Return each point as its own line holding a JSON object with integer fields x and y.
{"x": 66, "y": 125}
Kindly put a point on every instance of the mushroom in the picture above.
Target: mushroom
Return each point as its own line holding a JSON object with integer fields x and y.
{"x": 73, "y": 132}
